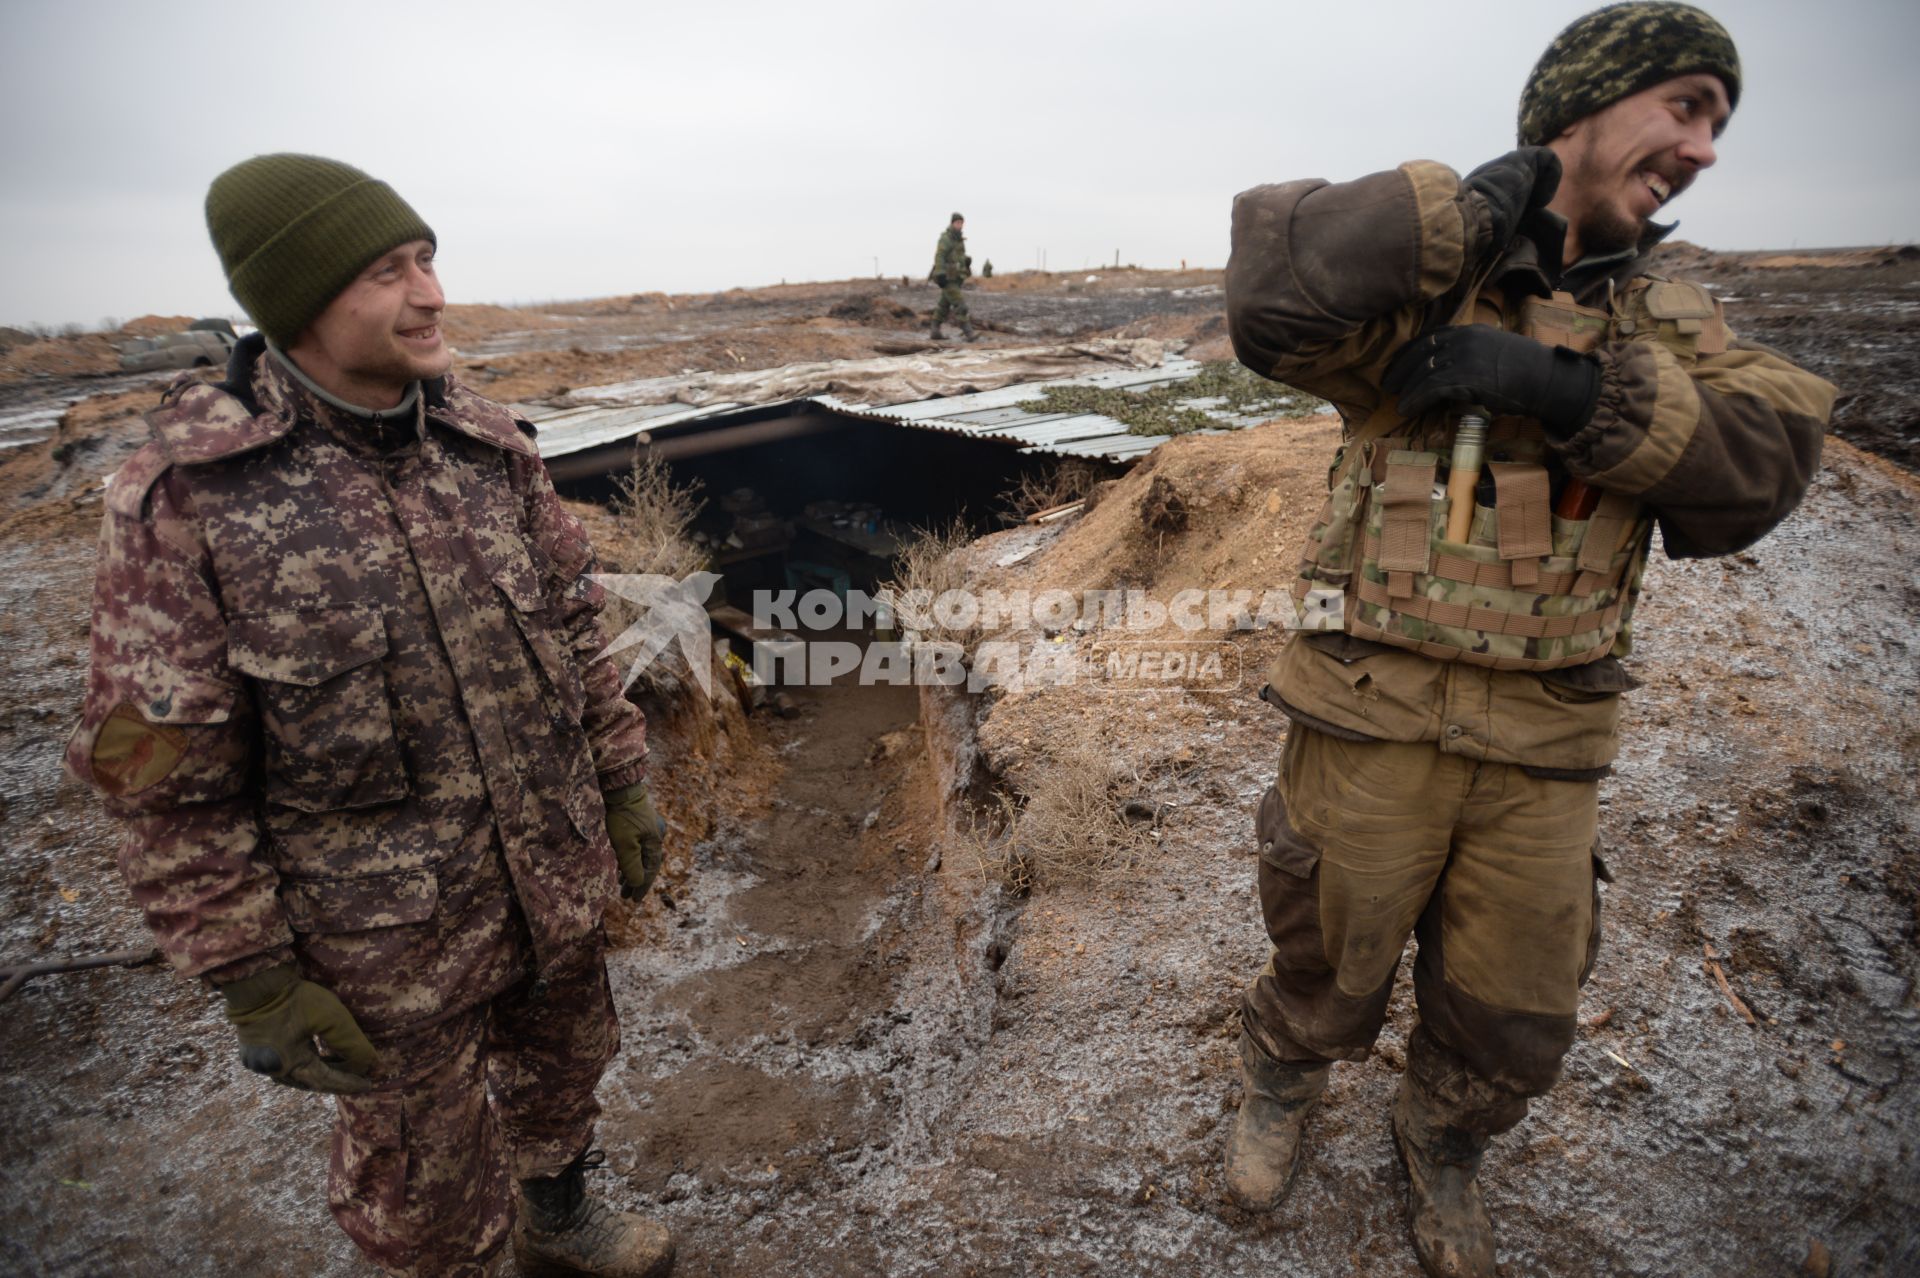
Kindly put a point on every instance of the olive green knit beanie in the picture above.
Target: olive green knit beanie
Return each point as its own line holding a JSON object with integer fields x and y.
{"x": 1617, "y": 51}
{"x": 293, "y": 230}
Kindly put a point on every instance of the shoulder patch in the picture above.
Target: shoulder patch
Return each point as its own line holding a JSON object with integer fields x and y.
{"x": 127, "y": 487}
{"x": 131, "y": 753}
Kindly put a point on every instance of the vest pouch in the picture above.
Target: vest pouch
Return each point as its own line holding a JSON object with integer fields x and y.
{"x": 1560, "y": 321}
{"x": 1678, "y": 314}
{"x": 1407, "y": 511}
{"x": 1328, "y": 559}
{"x": 1513, "y": 603}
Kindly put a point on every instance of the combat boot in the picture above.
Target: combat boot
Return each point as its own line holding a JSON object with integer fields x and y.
{"x": 966, "y": 331}
{"x": 564, "y": 1230}
{"x": 1264, "y": 1148}
{"x": 1452, "y": 1234}
{"x": 934, "y": 332}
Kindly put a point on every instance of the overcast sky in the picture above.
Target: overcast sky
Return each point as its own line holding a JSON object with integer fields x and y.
{"x": 565, "y": 150}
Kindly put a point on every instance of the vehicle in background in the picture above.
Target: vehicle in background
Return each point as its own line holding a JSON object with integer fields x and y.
{"x": 205, "y": 343}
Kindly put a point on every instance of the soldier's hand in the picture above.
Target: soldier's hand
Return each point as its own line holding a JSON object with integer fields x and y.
{"x": 639, "y": 838}
{"x": 277, "y": 1015}
{"x": 1513, "y": 185}
{"x": 1502, "y": 371}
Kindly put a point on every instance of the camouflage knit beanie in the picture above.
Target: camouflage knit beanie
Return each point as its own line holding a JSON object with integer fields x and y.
{"x": 1615, "y": 52}
{"x": 293, "y": 230}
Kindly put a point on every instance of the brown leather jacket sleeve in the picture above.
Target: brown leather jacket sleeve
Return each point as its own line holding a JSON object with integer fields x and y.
{"x": 1722, "y": 449}
{"x": 1326, "y": 281}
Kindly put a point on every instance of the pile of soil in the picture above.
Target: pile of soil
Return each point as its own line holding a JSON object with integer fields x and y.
{"x": 88, "y": 355}
{"x": 469, "y": 322}
{"x": 870, "y": 308}
{"x": 155, "y": 325}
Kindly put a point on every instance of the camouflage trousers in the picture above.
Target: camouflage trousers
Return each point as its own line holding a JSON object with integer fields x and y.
{"x": 952, "y": 302}
{"x": 1365, "y": 843}
{"x": 424, "y": 1166}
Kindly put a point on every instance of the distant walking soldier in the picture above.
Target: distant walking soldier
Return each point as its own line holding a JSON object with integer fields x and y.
{"x": 1453, "y": 717}
{"x": 378, "y": 785}
{"x": 951, "y": 269}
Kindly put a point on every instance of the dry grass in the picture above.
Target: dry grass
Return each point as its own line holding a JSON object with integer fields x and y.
{"x": 656, "y": 523}
{"x": 653, "y": 520}
{"x": 1071, "y": 480}
{"x": 1072, "y": 828}
{"x": 932, "y": 564}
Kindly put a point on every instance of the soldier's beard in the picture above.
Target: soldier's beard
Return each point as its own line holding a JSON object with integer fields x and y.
{"x": 1607, "y": 230}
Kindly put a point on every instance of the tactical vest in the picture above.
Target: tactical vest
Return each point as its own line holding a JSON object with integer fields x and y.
{"x": 1527, "y": 589}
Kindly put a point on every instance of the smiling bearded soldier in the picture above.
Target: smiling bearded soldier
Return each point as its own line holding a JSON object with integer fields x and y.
{"x": 378, "y": 783}
{"x": 1454, "y": 703}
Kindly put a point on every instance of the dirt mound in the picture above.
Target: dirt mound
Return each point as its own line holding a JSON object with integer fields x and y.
{"x": 1248, "y": 496}
{"x": 1838, "y": 259}
{"x": 88, "y": 355}
{"x": 473, "y": 321}
{"x": 535, "y": 375}
{"x": 869, "y": 308}
{"x": 155, "y": 325}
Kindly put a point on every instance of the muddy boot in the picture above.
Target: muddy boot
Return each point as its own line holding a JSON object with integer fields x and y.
{"x": 1452, "y": 1233}
{"x": 934, "y": 332}
{"x": 1264, "y": 1148}
{"x": 563, "y": 1230}
{"x": 966, "y": 331}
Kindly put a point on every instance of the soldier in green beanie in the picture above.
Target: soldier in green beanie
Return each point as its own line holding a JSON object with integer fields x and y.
{"x": 1525, "y": 400}
{"x": 379, "y": 781}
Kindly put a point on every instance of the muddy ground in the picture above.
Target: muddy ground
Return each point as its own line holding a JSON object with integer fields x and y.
{"x": 847, "y": 1050}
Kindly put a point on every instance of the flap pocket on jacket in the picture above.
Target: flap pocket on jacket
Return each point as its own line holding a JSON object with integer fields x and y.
{"x": 513, "y": 573}
{"x": 324, "y": 707}
{"x": 361, "y": 903}
{"x": 306, "y": 647}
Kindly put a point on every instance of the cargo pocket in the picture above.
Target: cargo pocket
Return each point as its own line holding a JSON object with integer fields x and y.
{"x": 324, "y": 707}
{"x": 1600, "y": 875}
{"x": 360, "y": 903}
{"x": 1289, "y": 889}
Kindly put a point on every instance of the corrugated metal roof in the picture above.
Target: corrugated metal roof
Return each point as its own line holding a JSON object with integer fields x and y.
{"x": 993, "y": 415}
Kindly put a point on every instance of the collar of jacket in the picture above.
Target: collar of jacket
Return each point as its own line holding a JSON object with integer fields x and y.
{"x": 197, "y": 422}
{"x": 1540, "y": 268}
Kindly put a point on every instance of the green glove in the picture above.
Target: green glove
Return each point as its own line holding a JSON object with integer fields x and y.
{"x": 278, "y": 1015}
{"x": 639, "y": 838}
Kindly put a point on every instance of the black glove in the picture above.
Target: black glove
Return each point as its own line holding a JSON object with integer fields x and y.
{"x": 1504, "y": 372}
{"x": 1514, "y": 185}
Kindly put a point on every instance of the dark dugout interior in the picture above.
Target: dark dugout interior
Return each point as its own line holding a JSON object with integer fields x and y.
{"x": 818, "y": 498}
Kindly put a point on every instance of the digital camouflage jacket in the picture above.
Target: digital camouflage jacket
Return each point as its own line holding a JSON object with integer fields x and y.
{"x": 1715, "y": 440}
{"x": 346, "y": 696}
